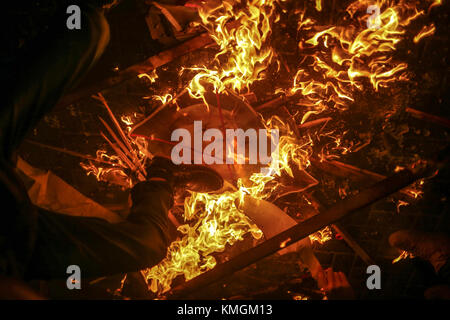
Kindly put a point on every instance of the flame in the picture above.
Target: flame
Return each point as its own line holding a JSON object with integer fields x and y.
{"x": 321, "y": 236}
{"x": 344, "y": 57}
{"x": 425, "y": 32}
{"x": 151, "y": 77}
{"x": 163, "y": 98}
{"x": 243, "y": 53}
{"x": 300, "y": 297}
{"x": 217, "y": 223}
{"x": 319, "y": 5}
{"x": 336, "y": 62}
{"x": 284, "y": 243}
{"x": 401, "y": 203}
{"x": 218, "y": 220}
{"x": 403, "y": 255}
{"x": 118, "y": 173}
{"x": 108, "y": 174}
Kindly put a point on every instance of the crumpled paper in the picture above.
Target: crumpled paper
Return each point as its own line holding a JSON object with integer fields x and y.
{"x": 272, "y": 221}
{"x": 52, "y": 193}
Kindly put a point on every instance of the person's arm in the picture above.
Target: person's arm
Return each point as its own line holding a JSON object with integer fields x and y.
{"x": 335, "y": 285}
{"x": 100, "y": 248}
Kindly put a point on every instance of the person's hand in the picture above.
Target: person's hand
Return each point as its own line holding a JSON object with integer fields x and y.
{"x": 161, "y": 168}
{"x": 335, "y": 285}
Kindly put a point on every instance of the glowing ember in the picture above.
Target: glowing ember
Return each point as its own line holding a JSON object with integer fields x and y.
{"x": 151, "y": 77}
{"x": 321, "y": 236}
{"x": 425, "y": 32}
{"x": 403, "y": 255}
{"x": 300, "y": 297}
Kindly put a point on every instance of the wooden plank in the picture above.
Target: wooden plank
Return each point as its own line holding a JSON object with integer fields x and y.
{"x": 366, "y": 197}
{"x": 353, "y": 244}
{"x": 344, "y": 233}
{"x": 146, "y": 66}
{"x": 428, "y": 117}
{"x": 343, "y": 170}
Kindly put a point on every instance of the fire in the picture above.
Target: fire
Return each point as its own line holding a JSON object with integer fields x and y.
{"x": 164, "y": 98}
{"x": 425, "y": 32}
{"x": 319, "y": 5}
{"x": 213, "y": 221}
{"x": 218, "y": 220}
{"x": 243, "y": 52}
{"x": 344, "y": 57}
{"x": 132, "y": 154}
{"x": 403, "y": 255}
{"x": 335, "y": 62}
{"x": 117, "y": 169}
{"x": 217, "y": 223}
{"x": 321, "y": 236}
{"x": 151, "y": 77}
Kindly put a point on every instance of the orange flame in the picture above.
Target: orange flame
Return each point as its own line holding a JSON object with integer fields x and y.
{"x": 243, "y": 54}
{"x": 425, "y": 32}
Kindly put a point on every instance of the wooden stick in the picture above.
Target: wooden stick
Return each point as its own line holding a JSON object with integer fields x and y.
{"x": 272, "y": 103}
{"x": 314, "y": 123}
{"x": 114, "y": 120}
{"x": 343, "y": 232}
{"x": 428, "y": 117}
{"x": 182, "y": 92}
{"x": 279, "y": 101}
{"x": 353, "y": 244}
{"x": 119, "y": 153}
{"x": 344, "y": 170}
{"x": 128, "y": 149}
{"x": 69, "y": 152}
{"x": 146, "y": 66}
{"x": 341, "y": 209}
{"x": 119, "y": 143}
{"x": 244, "y": 101}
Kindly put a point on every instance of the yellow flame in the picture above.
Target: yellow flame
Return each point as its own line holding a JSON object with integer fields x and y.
{"x": 403, "y": 255}
{"x": 344, "y": 56}
{"x": 151, "y": 77}
{"x": 425, "y": 32}
{"x": 217, "y": 223}
{"x": 321, "y": 236}
{"x": 163, "y": 98}
{"x": 243, "y": 54}
{"x": 218, "y": 220}
{"x": 319, "y": 5}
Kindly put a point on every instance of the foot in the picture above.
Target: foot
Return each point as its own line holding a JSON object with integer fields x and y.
{"x": 434, "y": 248}
{"x": 439, "y": 292}
{"x": 193, "y": 177}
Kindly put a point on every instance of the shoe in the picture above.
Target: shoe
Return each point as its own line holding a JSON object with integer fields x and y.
{"x": 192, "y": 177}
{"x": 434, "y": 248}
{"x": 439, "y": 292}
